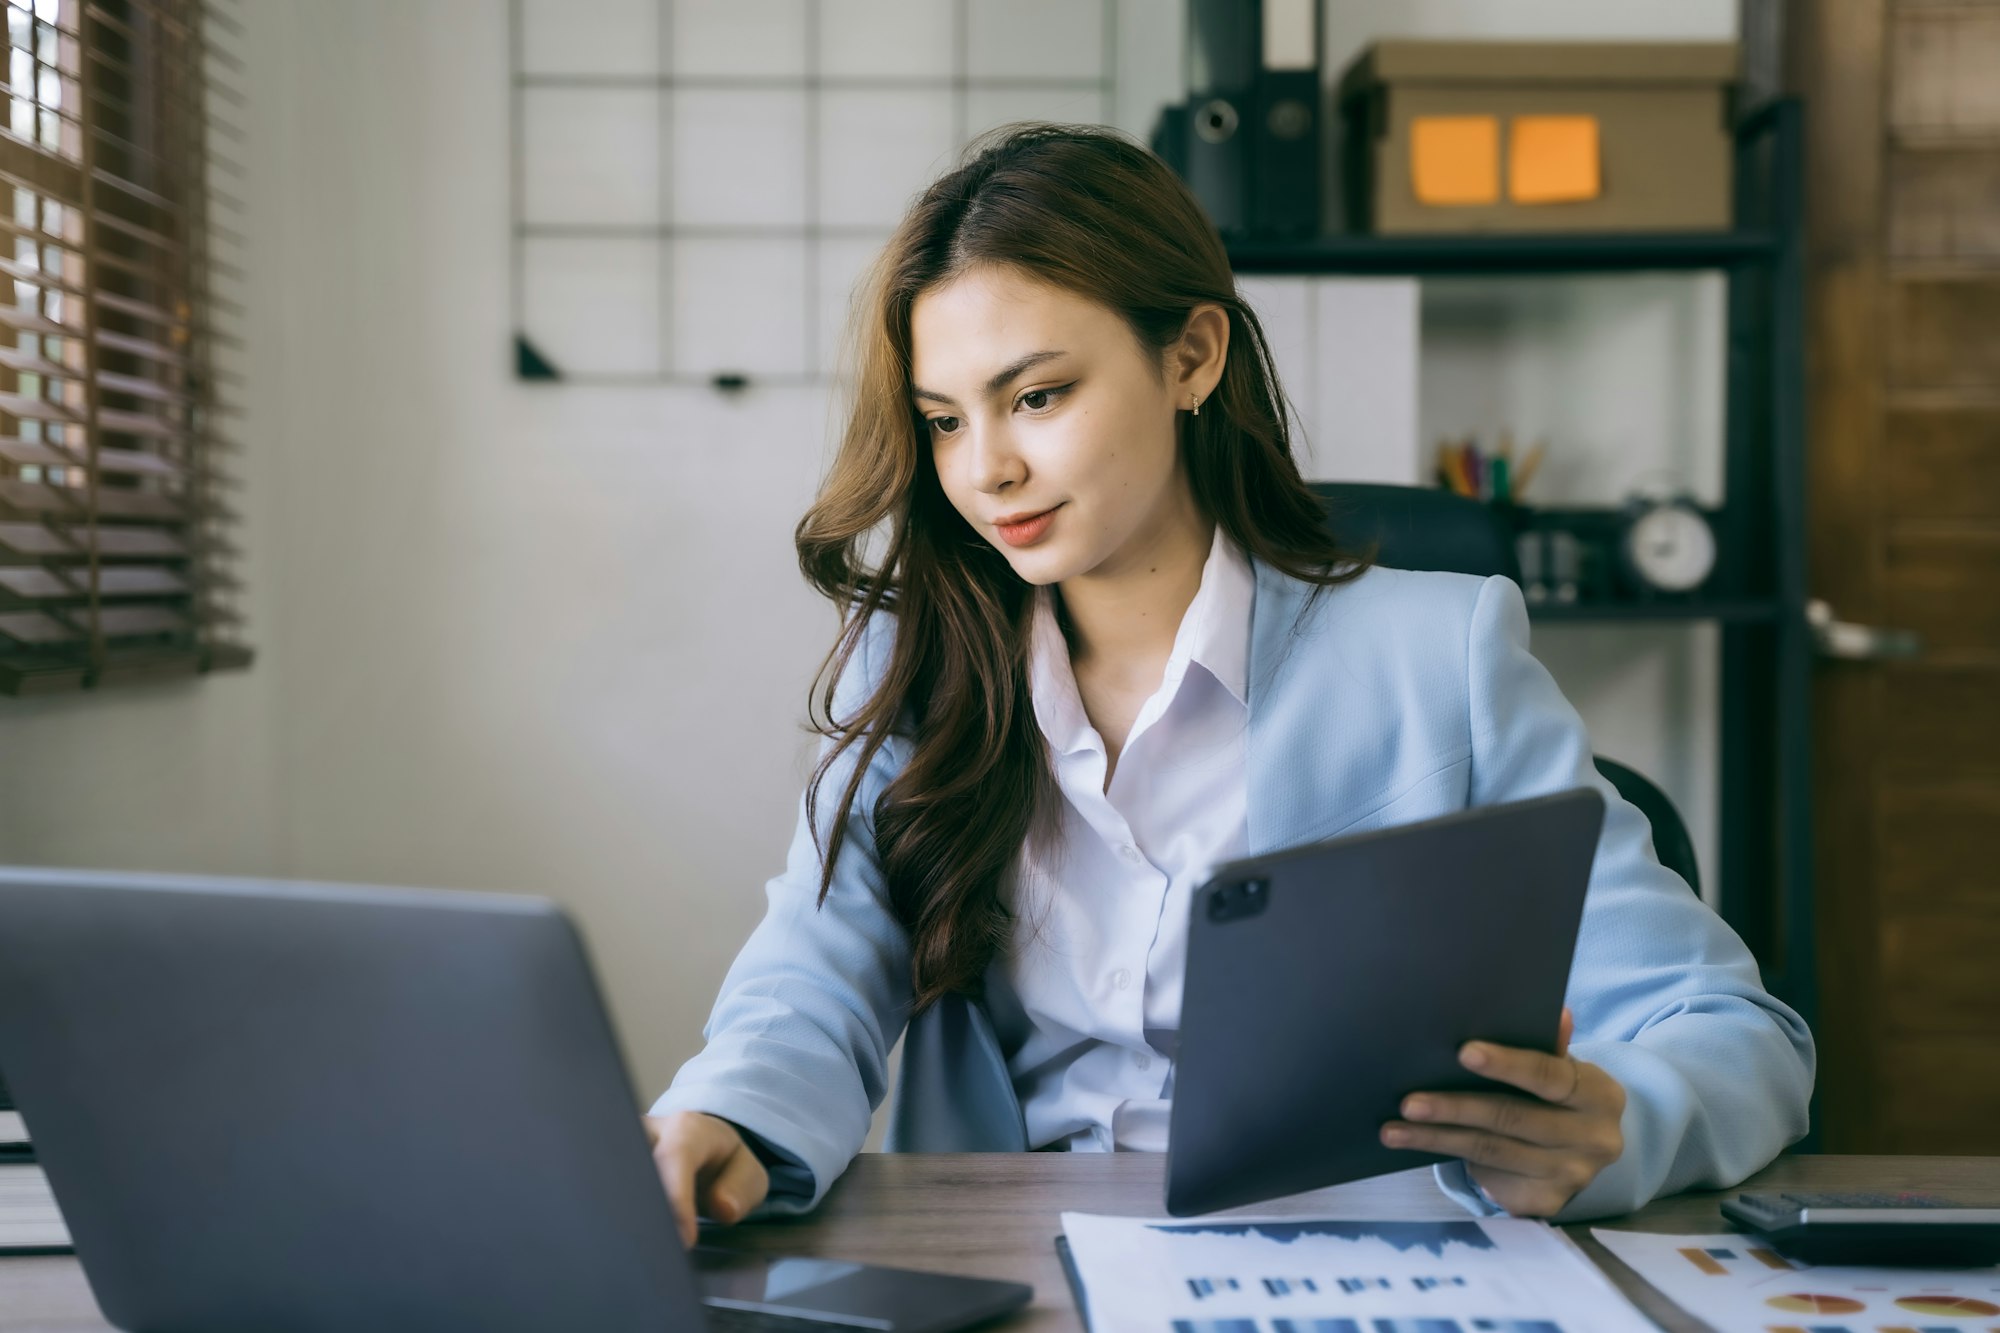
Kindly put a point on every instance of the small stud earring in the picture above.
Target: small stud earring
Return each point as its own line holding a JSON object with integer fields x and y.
{"x": 1197, "y": 407}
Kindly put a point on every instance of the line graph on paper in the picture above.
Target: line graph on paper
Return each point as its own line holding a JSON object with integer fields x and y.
{"x": 1390, "y": 1238}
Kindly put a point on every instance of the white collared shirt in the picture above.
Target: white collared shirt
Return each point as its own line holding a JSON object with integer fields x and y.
{"x": 1100, "y": 936}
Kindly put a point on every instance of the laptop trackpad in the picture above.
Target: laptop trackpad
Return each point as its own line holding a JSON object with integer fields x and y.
{"x": 849, "y": 1295}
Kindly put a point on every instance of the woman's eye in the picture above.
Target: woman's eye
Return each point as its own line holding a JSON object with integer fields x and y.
{"x": 938, "y": 426}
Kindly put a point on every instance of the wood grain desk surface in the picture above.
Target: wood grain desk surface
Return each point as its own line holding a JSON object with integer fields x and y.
{"x": 996, "y": 1215}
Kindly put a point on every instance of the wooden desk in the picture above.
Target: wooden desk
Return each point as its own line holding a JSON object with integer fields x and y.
{"x": 996, "y": 1215}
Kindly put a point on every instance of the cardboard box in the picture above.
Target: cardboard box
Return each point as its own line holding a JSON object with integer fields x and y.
{"x": 1539, "y": 136}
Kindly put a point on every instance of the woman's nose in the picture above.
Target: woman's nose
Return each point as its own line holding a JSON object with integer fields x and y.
{"x": 994, "y": 461}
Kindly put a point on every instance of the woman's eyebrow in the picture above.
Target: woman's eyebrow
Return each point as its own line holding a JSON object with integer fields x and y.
{"x": 999, "y": 381}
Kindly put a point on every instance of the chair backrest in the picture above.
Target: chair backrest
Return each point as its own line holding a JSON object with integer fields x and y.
{"x": 1671, "y": 842}
{"x": 1420, "y": 527}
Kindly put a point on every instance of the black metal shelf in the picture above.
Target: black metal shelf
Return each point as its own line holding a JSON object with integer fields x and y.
{"x": 1504, "y": 253}
{"x": 1765, "y": 762}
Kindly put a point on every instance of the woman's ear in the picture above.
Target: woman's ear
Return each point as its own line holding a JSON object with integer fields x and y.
{"x": 1196, "y": 360}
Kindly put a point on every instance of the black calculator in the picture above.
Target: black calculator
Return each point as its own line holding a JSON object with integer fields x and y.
{"x": 1869, "y": 1229}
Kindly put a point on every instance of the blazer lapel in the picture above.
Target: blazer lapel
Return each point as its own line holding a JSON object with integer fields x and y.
{"x": 1280, "y": 804}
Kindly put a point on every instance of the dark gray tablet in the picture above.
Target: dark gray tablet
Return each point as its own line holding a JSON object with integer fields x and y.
{"x": 318, "y": 1107}
{"x": 1327, "y": 982}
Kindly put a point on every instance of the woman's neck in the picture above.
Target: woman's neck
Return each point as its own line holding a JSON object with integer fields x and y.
{"x": 1127, "y": 617}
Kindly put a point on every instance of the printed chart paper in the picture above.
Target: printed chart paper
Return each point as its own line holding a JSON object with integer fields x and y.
{"x": 1329, "y": 1275}
{"x": 1736, "y": 1284}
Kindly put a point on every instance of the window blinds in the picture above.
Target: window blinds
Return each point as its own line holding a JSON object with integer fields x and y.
{"x": 114, "y": 523}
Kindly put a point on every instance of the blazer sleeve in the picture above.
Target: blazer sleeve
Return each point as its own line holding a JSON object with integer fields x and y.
{"x": 798, "y": 1042}
{"x": 1718, "y": 1074}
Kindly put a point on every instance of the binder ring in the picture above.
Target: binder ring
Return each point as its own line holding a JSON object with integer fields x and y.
{"x": 1216, "y": 121}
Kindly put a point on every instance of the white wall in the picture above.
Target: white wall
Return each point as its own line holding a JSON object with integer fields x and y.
{"x": 518, "y": 637}
{"x": 536, "y": 639}
{"x": 1352, "y": 24}
{"x": 1623, "y": 377}
{"x": 515, "y": 637}
{"x": 502, "y": 646}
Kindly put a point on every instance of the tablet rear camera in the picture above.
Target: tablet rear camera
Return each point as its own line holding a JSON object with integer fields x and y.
{"x": 1231, "y": 902}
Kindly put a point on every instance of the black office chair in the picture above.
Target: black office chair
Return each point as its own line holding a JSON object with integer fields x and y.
{"x": 1420, "y": 527}
{"x": 1671, "y": 842}
{"x": 1416, "y": 527}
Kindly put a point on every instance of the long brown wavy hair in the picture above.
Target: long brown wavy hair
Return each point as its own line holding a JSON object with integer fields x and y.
{"x": 1088, "y": 210}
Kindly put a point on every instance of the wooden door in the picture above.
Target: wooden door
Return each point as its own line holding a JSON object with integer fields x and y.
{"x": 1903, "y": 317}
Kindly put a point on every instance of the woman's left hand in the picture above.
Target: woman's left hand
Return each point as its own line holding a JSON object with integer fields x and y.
{"x": 1530, "y": 1154}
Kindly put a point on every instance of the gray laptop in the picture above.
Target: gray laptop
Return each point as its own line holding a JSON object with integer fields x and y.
{"x": 316, "y": 1107}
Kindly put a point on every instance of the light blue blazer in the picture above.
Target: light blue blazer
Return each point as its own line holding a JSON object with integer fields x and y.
{"x": 1395, "y": 697}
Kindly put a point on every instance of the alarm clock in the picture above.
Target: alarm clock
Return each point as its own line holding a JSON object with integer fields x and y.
{"x": 1665, "y": 544}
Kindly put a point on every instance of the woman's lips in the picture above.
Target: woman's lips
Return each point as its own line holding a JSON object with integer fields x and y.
{"x": 1029, "y": 530}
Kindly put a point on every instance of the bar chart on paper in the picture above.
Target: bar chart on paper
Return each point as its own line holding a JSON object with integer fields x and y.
{"x": 1272, "y": 1275}
{"x": 1738, "y": 1286}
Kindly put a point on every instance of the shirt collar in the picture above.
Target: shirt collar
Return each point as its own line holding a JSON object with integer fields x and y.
{"x": 1214, "y": 633}
{"x": 1221, "y": 634}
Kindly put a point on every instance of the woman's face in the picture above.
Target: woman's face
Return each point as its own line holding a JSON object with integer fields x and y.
{"x": 1041, "y": 406}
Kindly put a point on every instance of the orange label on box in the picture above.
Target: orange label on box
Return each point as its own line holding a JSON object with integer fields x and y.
{"x": 1455, "y": 159}
{"x": 1552, "y": 159}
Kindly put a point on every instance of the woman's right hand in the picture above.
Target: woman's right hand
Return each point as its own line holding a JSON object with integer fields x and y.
{"x": 706, "y": 1168}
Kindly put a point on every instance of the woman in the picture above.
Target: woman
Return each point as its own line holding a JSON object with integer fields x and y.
{"x": 1108, "y": 644}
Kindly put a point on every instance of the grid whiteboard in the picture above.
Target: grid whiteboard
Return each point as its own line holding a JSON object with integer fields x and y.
{"x": 697, "y": 183}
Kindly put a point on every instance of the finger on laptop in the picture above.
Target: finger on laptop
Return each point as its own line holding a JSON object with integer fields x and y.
{"x": 689, "y": 1147}
{"x": 671, "y": 1153}
{"x": 737, "y": 1185}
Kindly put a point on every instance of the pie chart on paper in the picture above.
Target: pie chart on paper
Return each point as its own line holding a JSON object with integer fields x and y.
{"x": 1807, "y": 1303}
{"x": 1950, "y": 1307}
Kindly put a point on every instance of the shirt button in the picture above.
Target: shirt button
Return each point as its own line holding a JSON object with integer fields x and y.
{"x": 1131, "y": 854}
{"x": 1143, "y": 1061}
{"x": 1121, "y": 978}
